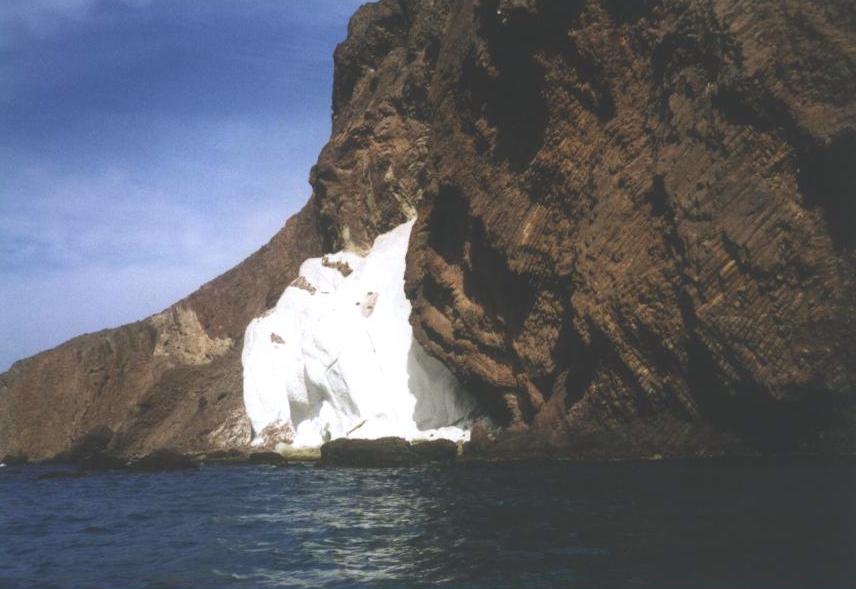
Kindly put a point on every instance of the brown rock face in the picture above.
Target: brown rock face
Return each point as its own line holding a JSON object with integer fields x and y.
{"x": 640, "y": 227}
{"x": 636, "y": 234}
{"x": 371, "y": 176}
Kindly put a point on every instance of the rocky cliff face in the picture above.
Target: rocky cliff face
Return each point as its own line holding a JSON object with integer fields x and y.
{"x": 635, "y": 234}
{"x": 640, "y": 230}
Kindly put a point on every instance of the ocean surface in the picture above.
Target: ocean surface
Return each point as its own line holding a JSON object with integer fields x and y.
{"x": 681, "y": 525}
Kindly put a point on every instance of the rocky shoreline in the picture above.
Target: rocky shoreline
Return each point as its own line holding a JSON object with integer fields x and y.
{"x": 390, "y": 452}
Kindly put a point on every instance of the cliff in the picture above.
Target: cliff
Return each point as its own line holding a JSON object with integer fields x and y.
{"x": 640, "y": 232}
{"x": 634, "y": 236}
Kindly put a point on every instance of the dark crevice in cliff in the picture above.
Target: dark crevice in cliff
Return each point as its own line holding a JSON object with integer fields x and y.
{"x": 449, "y": 218}
{"x": 827, "y": 179}
{"x": 503, "y": 296}
{"x": 662, "y": 208}
{"x": 325, "y": 220}
{"x": 506, "y": 300}
{"x": 512, "y": 104}
{"x": 826, "y": 175}
{"x": 737, "y": 253}
{"x": 589, "y": 359}
{"x": 680, "y": 50}
{"x": 439, "y": 296}
{"x": 590, "y": 86}
{"x": 570, "y": 351}
{"x": 489, "y": 280}
{"x": 751, "y": 411}
{"x": 510, "y": 93}
{"x": 624, "y": 11}
{"x": 456, "y": 238}
{"x": 462, "y": 240}
{"x": 743, "y": 102}
{"x": 733, "y": 405}
{"x": 491, "y": 405}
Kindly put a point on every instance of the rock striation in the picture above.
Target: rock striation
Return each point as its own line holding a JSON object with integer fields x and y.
{"x": 635, "y": 235}
{"x": 639, "y": 230}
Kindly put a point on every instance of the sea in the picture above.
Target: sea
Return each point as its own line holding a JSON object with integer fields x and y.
{"x": 688, "y": 525}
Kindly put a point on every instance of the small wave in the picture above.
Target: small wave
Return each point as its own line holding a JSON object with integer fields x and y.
{"x": 230, "y": 575}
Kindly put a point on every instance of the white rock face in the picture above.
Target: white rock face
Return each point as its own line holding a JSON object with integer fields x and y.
{"x": 336, "y": 357}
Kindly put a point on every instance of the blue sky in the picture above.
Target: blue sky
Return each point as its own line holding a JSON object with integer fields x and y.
{"x": 147, "y": 146}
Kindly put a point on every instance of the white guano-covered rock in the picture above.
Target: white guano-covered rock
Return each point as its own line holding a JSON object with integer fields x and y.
{"x": 336, "y": 357}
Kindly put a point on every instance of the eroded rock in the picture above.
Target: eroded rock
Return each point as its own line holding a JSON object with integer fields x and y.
{"x": 92, "y": 452}
{"x": 182, "y": 339}
{"x": 385, "y": 452}
{"x": 162, "y": 461}
{"x": 271, "y": 458}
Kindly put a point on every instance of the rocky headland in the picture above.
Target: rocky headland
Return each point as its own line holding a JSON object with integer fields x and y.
{"x": 634, "y": 236}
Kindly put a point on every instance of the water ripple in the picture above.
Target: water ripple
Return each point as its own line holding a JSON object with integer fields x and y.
{"x": 462, "y": 526}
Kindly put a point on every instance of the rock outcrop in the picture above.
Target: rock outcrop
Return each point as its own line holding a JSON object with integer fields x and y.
{"x": 162, "y": 460}
{"x": 385, "y": 452}
{"x": 635, "y": 234}
{"x": 172, "y": 380}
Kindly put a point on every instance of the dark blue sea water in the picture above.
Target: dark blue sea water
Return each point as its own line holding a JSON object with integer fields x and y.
{"x": 750, "y": 525}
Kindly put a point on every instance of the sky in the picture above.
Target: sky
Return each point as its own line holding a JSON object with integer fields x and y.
{"x": 146, "y": 146}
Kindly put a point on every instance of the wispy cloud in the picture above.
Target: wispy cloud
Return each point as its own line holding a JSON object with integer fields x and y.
{"x": 201, "y": 182}
{"x": 43, "y": 17}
